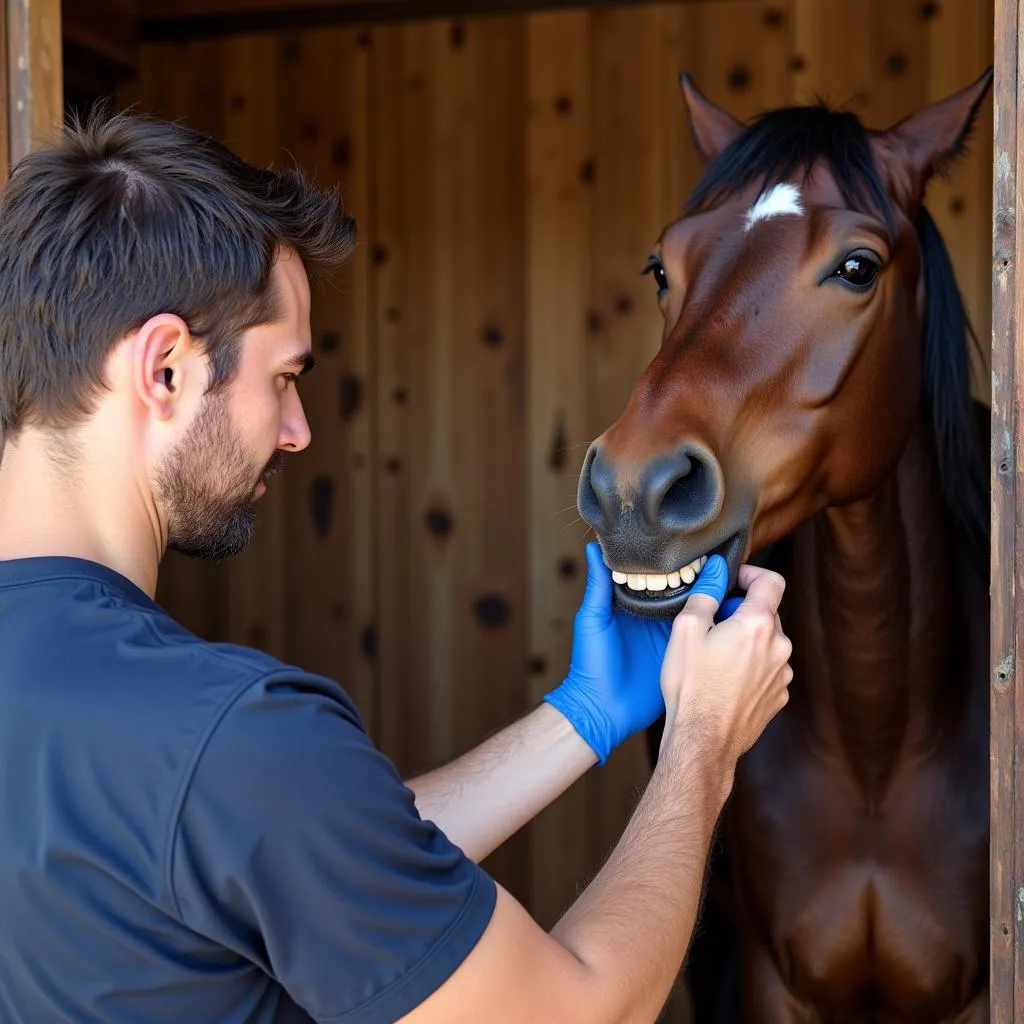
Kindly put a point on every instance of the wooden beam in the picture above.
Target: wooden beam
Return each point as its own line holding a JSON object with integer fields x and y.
{"x": 5, "y": 165}
{"x": 1007, "y": 561}
{"x": 106, "y": 30}
{"x": 35, "y": 83}
{"x": 163, "y": 20}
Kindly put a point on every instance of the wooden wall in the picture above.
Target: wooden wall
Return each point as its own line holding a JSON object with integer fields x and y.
{"x": 509, "y": 175}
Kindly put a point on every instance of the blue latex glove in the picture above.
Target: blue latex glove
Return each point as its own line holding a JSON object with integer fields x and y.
{"x": 613, "y": 688}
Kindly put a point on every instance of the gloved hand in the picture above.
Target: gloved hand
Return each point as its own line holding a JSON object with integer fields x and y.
{"x": 613, "y": 688}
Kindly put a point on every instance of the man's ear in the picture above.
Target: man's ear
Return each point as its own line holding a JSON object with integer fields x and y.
{"x": 713, "y": 128}
{"x": 160, "y": 355}
{"x": 928, "y": 142}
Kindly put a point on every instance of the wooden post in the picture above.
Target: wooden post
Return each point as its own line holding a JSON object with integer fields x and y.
{"x": 1007, "y": 813}
{"x": 33, "y": 81}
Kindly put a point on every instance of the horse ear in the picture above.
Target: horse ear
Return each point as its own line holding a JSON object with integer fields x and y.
{"x": 713, "y": 128}
{"x": 929, "y": 141}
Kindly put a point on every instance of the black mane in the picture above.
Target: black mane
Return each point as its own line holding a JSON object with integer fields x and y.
{"x": 781, "y": 143}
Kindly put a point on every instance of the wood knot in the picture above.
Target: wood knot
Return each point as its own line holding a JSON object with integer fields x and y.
{"x": 310, "y": 131}
{"x": 929, "y": 10}
{"x": 798, "y": 62}
{"x": 439, "y": 522}
{"x": 380, "y": 255}
{"x": 329, "y": 341}
{"x": 350, "y": 396}
{"x": 368, "y": 642}
{"x": 237, "y": 103}
{"x": 774, "y": 18}
{"x": 321, "y": 504}
{"x": 492, "y": 611}
{"x": 587, "y": 171}
{"x": 393, "y": 466}
{"x": 457, "y": 35}
{"x": 399, "y": 396}
{"x": 537, "y": 665}
{"x": 341, "y": 152}
{"x": 493, "y": 337}
{"x": 563, "y": 106}
{"x": 557, "y": 455}
{"x": 738, "y": 79}
{"x": 896, "y": 64}
{"x": 568, "y": 568}
{"x": 624, "y": 305}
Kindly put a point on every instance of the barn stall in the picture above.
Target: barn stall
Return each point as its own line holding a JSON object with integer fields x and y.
{"x": 509, "y": 167}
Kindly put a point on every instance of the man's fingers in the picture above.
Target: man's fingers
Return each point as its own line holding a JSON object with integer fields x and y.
{"x": 709, "y": 590}
{"x": 764, "y": 588}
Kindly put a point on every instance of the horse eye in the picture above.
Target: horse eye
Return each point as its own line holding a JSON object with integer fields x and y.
{"x": 858, "y": 270}
{"x": 660, "y": 277}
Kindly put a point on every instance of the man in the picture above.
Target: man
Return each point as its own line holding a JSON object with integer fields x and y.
{"x": 195, "y": 832}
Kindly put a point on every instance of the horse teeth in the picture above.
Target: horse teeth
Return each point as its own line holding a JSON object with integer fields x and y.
{"x": 656, "y": 582}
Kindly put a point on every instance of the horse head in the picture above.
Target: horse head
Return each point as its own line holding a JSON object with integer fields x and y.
{"x": 810, "y": 319}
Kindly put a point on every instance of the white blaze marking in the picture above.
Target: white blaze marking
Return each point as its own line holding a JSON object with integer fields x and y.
{"x": 781, "y": 199}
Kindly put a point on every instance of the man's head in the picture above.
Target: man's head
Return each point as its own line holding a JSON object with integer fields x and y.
{"x": 154, "y": 308}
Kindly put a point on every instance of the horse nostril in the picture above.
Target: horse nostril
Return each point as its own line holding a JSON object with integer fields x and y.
{"x": 683, "y": 491}
{"x": 596, "y": 489}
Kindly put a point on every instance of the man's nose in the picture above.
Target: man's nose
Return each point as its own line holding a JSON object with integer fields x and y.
{"x": 295, "y": 432}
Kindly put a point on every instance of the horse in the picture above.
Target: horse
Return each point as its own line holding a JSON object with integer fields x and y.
{"x": 811, "y": 399}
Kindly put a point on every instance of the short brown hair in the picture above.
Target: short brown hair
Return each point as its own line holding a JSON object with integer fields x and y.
{"x": 126, "y": 217}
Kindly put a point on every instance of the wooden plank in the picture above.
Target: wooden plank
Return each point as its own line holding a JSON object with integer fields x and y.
{"x": 558, "y": 288}
{"x": 331, "y": 579}
{"x": 1007, "y": 742}
{"x": 625, "y": 324}
{"x": 899, "y": 61}
{"x": 740, "y": 57}
{"x": 169, "y": 19}
{"x": 960, "y": 41}
{"x": 5, "y": 167}
{"x": 34, "y": 75}
{"x": 833, "y": 50}
{"x": 448, "y": 301}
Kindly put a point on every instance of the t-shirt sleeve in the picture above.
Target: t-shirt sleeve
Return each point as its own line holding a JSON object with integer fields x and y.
{"x": 298, "y": 846}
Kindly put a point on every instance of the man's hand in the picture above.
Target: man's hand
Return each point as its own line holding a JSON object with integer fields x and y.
{"x": 613, "y": 687}
{"x": 731, "y": 678}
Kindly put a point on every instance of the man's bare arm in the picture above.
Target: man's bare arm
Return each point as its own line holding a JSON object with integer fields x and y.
{"x": 488, "y": 794}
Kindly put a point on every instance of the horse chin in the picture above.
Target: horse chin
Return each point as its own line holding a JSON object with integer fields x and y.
{"x": 669, "y": 603}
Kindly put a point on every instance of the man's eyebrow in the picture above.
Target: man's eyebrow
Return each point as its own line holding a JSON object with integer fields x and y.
{"x": 302, "y": 361}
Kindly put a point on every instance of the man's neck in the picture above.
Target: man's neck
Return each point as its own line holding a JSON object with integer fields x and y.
{"x": 82, "y": 508}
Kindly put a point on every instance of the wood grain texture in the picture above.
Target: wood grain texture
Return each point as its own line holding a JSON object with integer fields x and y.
{"x": 35, "y": 93}
{"x": 1007, "y": 847}
{"x": 559, "y": 245}
{"x": 330, "y": 576}
{"x": 5, "y": 127}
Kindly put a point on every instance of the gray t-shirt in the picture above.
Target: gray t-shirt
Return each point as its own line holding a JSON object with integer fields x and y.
{"x": 195, "y": 832}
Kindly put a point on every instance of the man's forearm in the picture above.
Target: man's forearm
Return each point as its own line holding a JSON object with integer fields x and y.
{"x": 483, "y": 797}
{"x": 635, "y": 919}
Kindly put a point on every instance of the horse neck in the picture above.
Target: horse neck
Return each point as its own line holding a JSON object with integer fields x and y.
{"x": 871, "y": 600}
